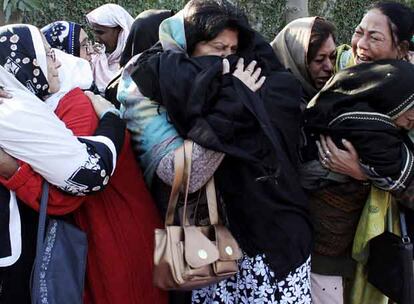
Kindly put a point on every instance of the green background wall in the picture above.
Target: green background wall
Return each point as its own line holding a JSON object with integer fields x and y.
{"x": 267, "y": 16}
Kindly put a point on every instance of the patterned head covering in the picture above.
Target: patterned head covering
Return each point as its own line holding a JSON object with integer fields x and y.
{"x": 23, "y": 55}
{"x": 64, "y": 36}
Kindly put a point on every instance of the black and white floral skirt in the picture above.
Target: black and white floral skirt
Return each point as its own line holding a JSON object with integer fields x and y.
{"x": 256, "y": 283}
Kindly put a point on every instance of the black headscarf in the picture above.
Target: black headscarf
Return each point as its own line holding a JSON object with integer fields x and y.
{"x": 64, "y": 36}
{"x": 359, "y": 104}
{"x": 259, "y": 133}
{"x": 143, "y": 33}
{"x": 142, "y": 36}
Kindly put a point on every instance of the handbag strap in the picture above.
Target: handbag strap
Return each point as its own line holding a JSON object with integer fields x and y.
{"x": 403, "y": 227}
{"x": 209, "y": 188}
{"x": 182, "y": 172}
{"x": 403, "y": 224}
{"x": 175, "y": 189}
{"x": 188, "y": 157}
{"x": 212, "y": 202}
{"x": 40, "y": 238}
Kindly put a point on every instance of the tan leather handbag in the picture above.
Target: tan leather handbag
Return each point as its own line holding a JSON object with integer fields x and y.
{"x": 188, "y": 256}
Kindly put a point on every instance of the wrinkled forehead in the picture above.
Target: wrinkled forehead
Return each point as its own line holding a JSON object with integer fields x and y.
{"x": 375, "y": 21}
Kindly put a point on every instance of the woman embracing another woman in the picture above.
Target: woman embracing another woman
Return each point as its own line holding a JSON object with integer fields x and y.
{"x": 241, "y": 108}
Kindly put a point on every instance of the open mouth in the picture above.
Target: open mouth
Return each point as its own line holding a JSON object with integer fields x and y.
{"x": 322, "y": 80}
{"x": 363, "y": 59}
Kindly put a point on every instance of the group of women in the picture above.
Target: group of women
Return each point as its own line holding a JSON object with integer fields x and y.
{"x": 298, "y": 134}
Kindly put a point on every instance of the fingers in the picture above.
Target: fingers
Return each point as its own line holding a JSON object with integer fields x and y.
{"x": 322, "y": 157}
{"x": 259, "y": 84}
{"x": 250, "y": 75}
{"x": 321, "y": 152}
{"x": 324, "y": 146}
{"x": 342, "y": 161}
{"x": 240, "y": 64}
{"x": 350, "y": 148}
{"x": 226, "y": 66}
{"x": 330, "y": 145}
{"x": 4, "y": 93}
{"x": 99, "y": 103}
{"x": 250, "y": 68}
{"x": 89, "y": 94}
{"x": 256, "y": 74}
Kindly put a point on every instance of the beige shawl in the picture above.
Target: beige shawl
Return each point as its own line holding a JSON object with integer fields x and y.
{"x": 291, "y": 48}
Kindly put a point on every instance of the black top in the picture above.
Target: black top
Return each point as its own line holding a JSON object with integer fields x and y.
{"x": 359, "y": 104}
{"x": 143, "y": 33}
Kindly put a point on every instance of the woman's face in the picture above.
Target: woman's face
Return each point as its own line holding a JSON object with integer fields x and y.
{"x": 53, "y": 65}
{"x": 373, "y": 39}
{"x": 106, "y": 35}
{"x": 322, "y": 66}
{"x": 85, "y": 46}
{"x": 225, "y": 44}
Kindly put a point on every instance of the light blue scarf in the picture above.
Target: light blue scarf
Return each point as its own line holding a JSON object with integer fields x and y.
{"x": 153, "y": 136}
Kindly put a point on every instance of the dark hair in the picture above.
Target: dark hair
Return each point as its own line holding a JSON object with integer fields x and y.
{"x": 205, "y": 19}
{"x": 321, "y": 30}
{"x": 400, "y": 18}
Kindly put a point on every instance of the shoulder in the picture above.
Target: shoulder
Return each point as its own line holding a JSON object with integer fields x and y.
{"x": 77, "y": 112}
{"x": 76, "y": 95}
{"x": 75, "y": 98}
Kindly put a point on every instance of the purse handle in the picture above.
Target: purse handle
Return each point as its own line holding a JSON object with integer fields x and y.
{"x": 182, "y": 171}
{"x": 209, "y": 188}
{"x": 175, "y": 189}
{"x": 403, "y": 225}
{"x": 40, "y": 239}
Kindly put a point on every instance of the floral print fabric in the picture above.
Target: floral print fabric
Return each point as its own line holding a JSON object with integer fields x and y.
{"x": 256, "y": 283}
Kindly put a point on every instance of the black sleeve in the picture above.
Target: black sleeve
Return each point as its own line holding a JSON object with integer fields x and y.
{"x": 113, "y": 127}
{"x": 94, "y": 174}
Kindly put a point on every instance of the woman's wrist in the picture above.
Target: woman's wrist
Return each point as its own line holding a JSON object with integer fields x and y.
{"x": 8, "y": 167}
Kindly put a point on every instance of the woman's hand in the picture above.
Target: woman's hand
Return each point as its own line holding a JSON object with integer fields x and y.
{"x": 8, "y": 165}
{"x": 249, "y": 76}
{"x": 4, "y": 94}
{"x": 340, "y": 161}
{"x": 410, "y": 56}
{"x": 100, "y": 104}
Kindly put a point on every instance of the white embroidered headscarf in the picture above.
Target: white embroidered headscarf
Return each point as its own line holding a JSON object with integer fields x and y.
{"x": 105, "y": 67}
